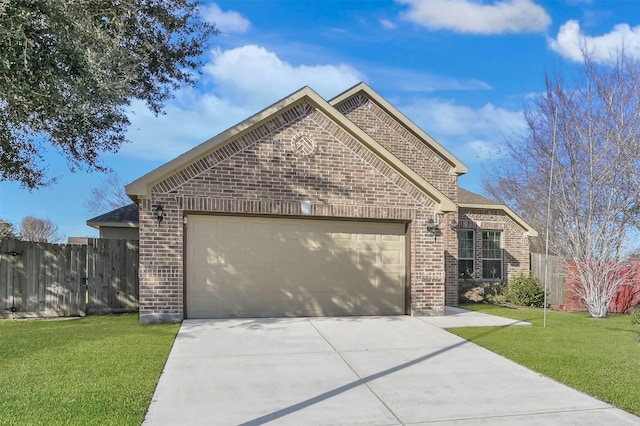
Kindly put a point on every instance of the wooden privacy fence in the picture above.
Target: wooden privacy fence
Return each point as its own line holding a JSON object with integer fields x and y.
{"x": 556, "y": 284}
{"x": 623, "y": 301}
{"x": 44, "y": 280}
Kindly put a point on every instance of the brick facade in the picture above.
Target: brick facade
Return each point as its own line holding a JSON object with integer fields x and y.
{"x": 300, "y": 153}
{"x": 422, "y": 159}
{"x": 515, "y": 241}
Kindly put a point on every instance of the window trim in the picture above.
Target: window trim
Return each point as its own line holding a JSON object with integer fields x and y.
{"x": 501, "y": 258}
{"x": 472, "y": 259}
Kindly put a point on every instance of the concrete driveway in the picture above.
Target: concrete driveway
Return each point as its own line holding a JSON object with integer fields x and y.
{"x": 356, "y": 371}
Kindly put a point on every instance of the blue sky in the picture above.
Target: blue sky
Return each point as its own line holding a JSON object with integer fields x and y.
{"x": 460, "y": 69}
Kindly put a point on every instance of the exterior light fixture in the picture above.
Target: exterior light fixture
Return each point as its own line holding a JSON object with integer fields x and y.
{"x": 159, "y": 213}
{"x": 432, "y": 227}
{"x": 454, "y": 225}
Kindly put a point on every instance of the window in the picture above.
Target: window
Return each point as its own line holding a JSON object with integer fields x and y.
{"x": 466, "y": 255}
{"x": 492, "y": 255}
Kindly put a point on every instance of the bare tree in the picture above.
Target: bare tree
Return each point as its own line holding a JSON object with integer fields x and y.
{"x": 107, "y": 196}
{"x": 39, "y": 230}
{"x": 590, "y": 133}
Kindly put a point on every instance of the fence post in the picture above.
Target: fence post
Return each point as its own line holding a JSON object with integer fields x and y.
{"x": 41, "y": 279}
{"x": 556, "y": 284}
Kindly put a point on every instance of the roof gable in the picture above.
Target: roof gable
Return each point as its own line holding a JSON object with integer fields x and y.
{"x": 141, "y": 188}
{"x": 471, "y": 200}
{"x": 457, "y": 167}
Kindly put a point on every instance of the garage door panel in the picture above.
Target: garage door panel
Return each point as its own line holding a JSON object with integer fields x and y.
{"x": 260, "y": 253}
{"x": 234, "y": 228}
{"x": 342, "y": 236}
{"x": 263, "y": 232}
{"x": 366, "y": 237}
{"x": 202, "y": 229}
{"x": 279, "y": 297}
{"x": 261, "y": 267}
{"x": 391, "y": 257}
{"x": 366, "y": 258}
{"x": 209, "y": 256}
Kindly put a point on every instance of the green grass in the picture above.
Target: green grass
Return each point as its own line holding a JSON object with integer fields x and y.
{"x": 600, "y": 357}
{"x": 96, "y": 370}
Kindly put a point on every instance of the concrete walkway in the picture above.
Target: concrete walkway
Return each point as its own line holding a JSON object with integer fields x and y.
{"x": 357, "y": 371}
{"x": 457, "y": 317}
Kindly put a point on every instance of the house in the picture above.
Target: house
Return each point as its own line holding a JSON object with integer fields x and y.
{"x": 492, "y": 239}
{"x": 121, "y": 223}
{"x": 317, "y": 208}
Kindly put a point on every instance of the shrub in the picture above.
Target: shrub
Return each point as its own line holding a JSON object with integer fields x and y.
{"x": 525, "y": 290}
{"x": 635, "y": 315}
{"x": 497, "y": 299}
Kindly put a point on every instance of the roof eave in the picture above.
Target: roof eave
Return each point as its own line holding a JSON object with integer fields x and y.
{"x": 445, "y": 204}
{"x": 517, "y": 219}
{"x": 141, "y": 188}
{"x": 98, "y": 225}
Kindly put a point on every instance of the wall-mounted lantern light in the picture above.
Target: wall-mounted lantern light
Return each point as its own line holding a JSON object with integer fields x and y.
{"x": 454, "y": 225}
{"x": 159, "y": 213}
{"x": 432, "y": 226}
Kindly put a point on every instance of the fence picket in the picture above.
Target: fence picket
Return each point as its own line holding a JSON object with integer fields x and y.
{"x": 557, "y": 276}
{"x": 42, "y": 279}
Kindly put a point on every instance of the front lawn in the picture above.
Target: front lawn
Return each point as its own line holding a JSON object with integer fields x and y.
{"x": 599, "y": 357}
{"x": 96, "y": 370}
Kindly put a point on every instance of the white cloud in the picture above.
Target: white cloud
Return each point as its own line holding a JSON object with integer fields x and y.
{"x": 252, "y": 71}
{"x": 183, "y": 126}
{"x": 470, "y": 134}
{"x": 469, "y": 16}
{"x": 246, "y": 80}
{"x": 571, "y": 42}
{"x": 387, "y": 24}
{"x": 226, "y": 22}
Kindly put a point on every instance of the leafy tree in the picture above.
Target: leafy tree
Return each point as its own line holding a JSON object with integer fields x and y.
{"x": 69, "y": 69}
{"x": 107, "y": 196}
{"x": 590, "y": 133}
{"x": 7, "y": 230}
{"x": 39, "y": 230}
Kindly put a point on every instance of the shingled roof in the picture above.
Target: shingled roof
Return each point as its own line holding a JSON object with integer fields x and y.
{"x": 125, "y": 217}
{"x": 471, "y": 200}
{"x": 468, "y": 197}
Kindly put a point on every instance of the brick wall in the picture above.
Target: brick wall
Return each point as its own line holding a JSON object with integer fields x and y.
{"x": 423, "y": 160}
{"x": 161, "y": 261}
{"x": 515, "y": 242}
{"x": 395, "y": 137}
{"x": 299, "y": 154}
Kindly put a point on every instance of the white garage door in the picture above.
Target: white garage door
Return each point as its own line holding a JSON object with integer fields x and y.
{"x": 272, "y": 267}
